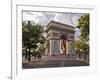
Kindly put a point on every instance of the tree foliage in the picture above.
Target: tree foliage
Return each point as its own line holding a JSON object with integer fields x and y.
{"x": 81, "y": 48}
{"x": 32, "y": 36}
{"x": 82, "y": 45}
{"x": 84, "y": 27}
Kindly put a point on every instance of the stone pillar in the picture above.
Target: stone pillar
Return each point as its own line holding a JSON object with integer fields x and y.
{"x": 50, "y": 52}
{"x": 54, "y": 47}
{"x": 67, "y": 49}
{"x": 61, "y": 46}
{"x": 70, "y": 46}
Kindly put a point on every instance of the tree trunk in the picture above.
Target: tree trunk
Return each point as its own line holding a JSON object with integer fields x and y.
{"x": 26, "y": 55}
{"x": 85, "y": 56}
{"x": 79, "y": 55}
{"x": 29, "y": 55}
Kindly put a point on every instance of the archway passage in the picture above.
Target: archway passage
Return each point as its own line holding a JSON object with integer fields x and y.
{"x": 63, "y": 44}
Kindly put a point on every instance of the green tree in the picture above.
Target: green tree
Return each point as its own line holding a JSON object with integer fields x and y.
{"x": 82, "y": 46}
{"x": 84, "y": 27}
{"x": 32, "y": 35}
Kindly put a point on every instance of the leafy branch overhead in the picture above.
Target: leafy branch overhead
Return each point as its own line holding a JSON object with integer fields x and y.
{"x": 84, "y": 27}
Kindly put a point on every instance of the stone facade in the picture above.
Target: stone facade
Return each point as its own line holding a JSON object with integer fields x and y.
{"x": 60, "y": 38}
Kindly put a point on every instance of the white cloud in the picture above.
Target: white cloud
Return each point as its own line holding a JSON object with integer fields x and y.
{"x": 64, "y": 18}
{"x": 38, "y": 17}
{"x": 68, "y": 18}
{"x": 44, "y": 18}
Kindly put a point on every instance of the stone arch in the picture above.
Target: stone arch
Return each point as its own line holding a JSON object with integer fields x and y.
{"x": 63, "y": 40}
{"x": 63, "y": 37}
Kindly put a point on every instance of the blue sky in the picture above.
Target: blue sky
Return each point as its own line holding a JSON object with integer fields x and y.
{"x": 44, "y": 18}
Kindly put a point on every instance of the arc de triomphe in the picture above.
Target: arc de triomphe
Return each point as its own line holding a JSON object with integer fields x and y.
{"x": 60, "y": 38}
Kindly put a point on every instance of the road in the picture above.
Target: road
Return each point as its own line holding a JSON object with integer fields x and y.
{"x": 44, "y": 63}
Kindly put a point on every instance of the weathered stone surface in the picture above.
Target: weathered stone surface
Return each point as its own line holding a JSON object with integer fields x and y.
{"x": 60, "y": 38}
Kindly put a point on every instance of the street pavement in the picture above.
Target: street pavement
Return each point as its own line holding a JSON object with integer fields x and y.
{"x": 53, "y": 61}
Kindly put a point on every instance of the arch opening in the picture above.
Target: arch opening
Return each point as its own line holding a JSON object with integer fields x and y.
{"x": 63, "y": 43}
